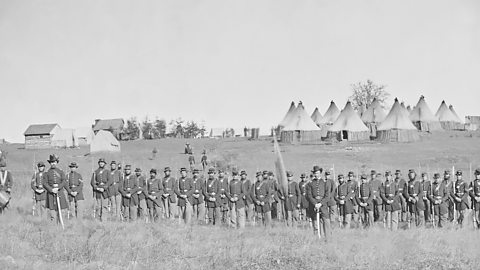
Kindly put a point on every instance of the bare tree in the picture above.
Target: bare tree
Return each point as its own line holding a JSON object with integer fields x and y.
{"x": 365, "y": 92}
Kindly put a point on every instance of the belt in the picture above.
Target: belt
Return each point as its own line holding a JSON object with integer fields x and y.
{"x": 390, "y": 195}
{"x": 290, "y": 195}
{"x": 317, "y": 198}
{"x": 261, "y": 196}
{"x": 477, "y": 194}
{"x": 460, "y": 194}
{"x": 364, "y": 198}
{"x": 55, "y": 185}
{"x": 167, "y": 188}
{"x": 438, "y": 197}
{"x": 303, "y": 194}
{"x": 152, "y": 192}
{"x": 128, "y": 189}
{"x": 196, "y": 191}
{"x": 73, "y": 186}
{"x": 222, "y": 189}
{"x": 414, "y": 195}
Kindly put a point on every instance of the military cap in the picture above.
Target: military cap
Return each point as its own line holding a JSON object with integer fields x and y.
{"x": 459, "y": 172}
{"x": 53, "y": 158}
{"x": 270, "y": 173}
{"x": 265, "y": 173}
{"x": 113, "y": 162}
{"x": 243, "y": 172}
{"x": 289, "y": 174}
{"x": 340, "y": 176}
{"x": 387, "y": 173}
{"x": 128, "y": 167}
{"x": 436, "y": 175}
{"x": 316, "y": 169}
{"x": 153, "y": 171}
{"x": 167, "y": 169}
{"x": 138, "y": 170}
{"x": 424, "y": 174}
{"x": 40, "y": 164}
{"x": 73, "y": 165}
{"x": 379, "y": 175}
{"x": 303, "y": 175}
{"x": 211, "y": 171}
{"x": 101, "y": 160}
{"x": 234, "y": 172}
{"x": 411, "y": 171}
{"x": 327, "y": 173}
{"x": 398, "y": 172}
{"x": 183, "y": 170}
{"x": 373, "y": 172}
{"x": 196, "y": 171}
{"x": 3, "y": 163}
{"x": 446, "y": 172}
{"x": 364, "y": 176}
{"x": 258, "y": 174}
{"x": 351, "y": 174}
{"x": 477, "y": 172}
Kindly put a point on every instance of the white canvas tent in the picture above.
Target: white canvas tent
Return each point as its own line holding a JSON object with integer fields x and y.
{"x": 447, "y": 119}
{"x": 373, "y": 116}
{"x": 349, "y": 126}
{"x": 301, "y": 128}
{"x": 64, "y": 138}
{"x": 397, "y": 126}
{"x": 423, "y": 118}
{"x": 217, "y": 133}
{"x": 288, "y": 115}
{"x": 330, "y": 115}
{"x": 455, "y": 113}
{"x": 104, "y": 141}
{"x": 316, "y": 116}
{"x": 84, "y": 135}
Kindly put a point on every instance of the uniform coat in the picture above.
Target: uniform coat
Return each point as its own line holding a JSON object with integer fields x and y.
{"x": 475, "y": 192}
{"x": 37, "y": 183}
{"x": 185, "y": 187}
{"x": 460, "y": 191}
{"x": 390, "y": 191}
{"x": 318, "y": 191}
{"x": 343, "y": 193}
{"x": 260, "y": 194}
{"x": 212, "y": 190}
{"x": 55, "y": 178}
{"x": 235, "y": 190}
{"x": 169, "y": 186}
{"x": 439, "y": 192}
{"x": 6, "y": 180}
{"x": 293, "y": 197}
{"x": 74, "y": 184}
{"x": 154, "y": 188}
{"x": 101, "y": 179}
{"x": 129, "y": 185}
{"x": 247, "y": 186}
{"x": 222, "y": 190}
{"x": 142, "y": 187}
{"x": 304, "y": 204}
{"x": 413, "y": 191}
{"x": 365, "y": 195}
{"x": 198, "y": 186}
{"x": 115, "y": 176}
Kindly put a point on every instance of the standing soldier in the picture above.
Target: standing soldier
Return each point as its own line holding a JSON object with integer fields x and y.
{"x": 191, "y": 161}
{"x": 390, "y": 194}
{"x": 439, "y": 197}
{"x": 400, "y": 182}
{"x": 344, "y": 197}
{"x": 54, "y": 182}
{"x": 275, "y": 194}
{"x": 204, "y": 160}
{"x": 154, "y": 191}
{"x": 376, "y": 183}
{"x": 353, "y": 187}
{"x": 425, "y": 187}
{"x": 39, "y": 191}
{"x": 211, "y": 193}
{"x": 198, "y": 204}
{"x": 113, "y": 191}
{"x": 128, "y": 189}
{"x": 475, "y": 195}
{"x": 449, "y": 186}
{"x": 412, "y": 192}
{"x": 100, "y": 184}
{"x": 460, "y": 195}
{"x": 169, "y": 197}
{"x": 260, "y": 196}
{"x": 319, "y": 196}
{"x": 74, "y": 187}
{"x": 247, "y": 200}
{"x": 235, "y": 194}
{"x": 332, "y": 204}
{"x": 365, "y": 201}
{"x": 293, "y": 200}
{"x": 304, "y": 204}
{"x": 184, "y": 193}
{"x": 223, "y": 200}
{"x": 6, "y": 179}
{"x": 141, "y": 194}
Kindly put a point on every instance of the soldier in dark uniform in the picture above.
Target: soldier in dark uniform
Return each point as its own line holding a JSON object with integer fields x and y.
{"x": 38, "y": 190}
{"x": 198, "y": 203}
{"x": 438, "y": 197}
{"x": 376, "y": 183}
{"x": 169, "y": 197}
{"x": 222, "y": 200}
{"x": 425, "y": 187}
{"x": 6, "y": 179}
{"x": 304, "y": 204}
{"x": 237, "y": 206}
{"x": 390, "y": 194}
{"x": 400, "y": 182}
{"x": 365, "y": 201}
{"x": 260, "y": 196}
{"x": 353, "y": 189}
{"x": 74, "y": 187}
{"x": 184, "y": 193}
{"x": 247, "y": 200}
{"x": 101, "y": 182}
{"x": 276, "y": 204}
{"x": 449, "y": 186}
{"x": 293, "y": 200}
{"x": 113, "y": 192}
{"x": 475, "y": 196}
{"x": 344, "y": 203}
{"x": 141, "y": 194}
{"x": 459, "y": 193}
{"x": 211, "y": 193}
{"x": 412, "y": 193}
{"x": 318, "y": 194}
{"x": 54, "y": 182}
{"x": 204, "y": 160}
{"x": 332, "y": 204}
{"x": 154, "y": 191}
{"x": 128, "y": 188}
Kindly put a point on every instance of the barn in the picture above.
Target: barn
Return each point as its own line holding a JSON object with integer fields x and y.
{"x": 115, "y": 126}
{"x": 40, "y": 136}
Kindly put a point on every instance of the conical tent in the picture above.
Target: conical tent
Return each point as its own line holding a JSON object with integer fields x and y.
{"x": 423, "y": 118}
{"x": 104, "y": 141}
{"x": 301, "y": 128}
{"x": 316, "y": 116}
{"x": 455, "y": 113}
{"x": 331, "y": 114}
{"x": 288, "y": 116}
{"x": 374, "y": 113}
{"x": 397, "y": 126}
{"x": 300, "y": 120}
{"x": 448, "y": 119}
{"x": 349, "y": 126}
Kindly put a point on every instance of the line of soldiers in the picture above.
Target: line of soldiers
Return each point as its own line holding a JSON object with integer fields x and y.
{"x": 216, "y": 200}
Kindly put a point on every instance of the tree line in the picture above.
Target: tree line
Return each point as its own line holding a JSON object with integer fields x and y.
{"x": 158, "y": 129}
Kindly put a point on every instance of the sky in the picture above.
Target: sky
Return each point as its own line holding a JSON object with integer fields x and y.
{"x": 228, "y": 63}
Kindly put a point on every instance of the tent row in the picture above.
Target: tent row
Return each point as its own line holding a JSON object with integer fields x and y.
{"x": 401, "y": 124}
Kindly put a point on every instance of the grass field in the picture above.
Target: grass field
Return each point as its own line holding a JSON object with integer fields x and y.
{"x": 30, "y": 243}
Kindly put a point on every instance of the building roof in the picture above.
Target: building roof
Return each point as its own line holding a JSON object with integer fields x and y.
{"x": 40, "y": 129}
{"x": 107, "y": 124}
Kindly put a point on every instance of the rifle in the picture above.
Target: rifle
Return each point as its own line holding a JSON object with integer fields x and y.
{"x": 453, "y": 198}
{"x": 432, "y": 207}
{"x": 34, "y": 206}
{"x": 68, "y": 209}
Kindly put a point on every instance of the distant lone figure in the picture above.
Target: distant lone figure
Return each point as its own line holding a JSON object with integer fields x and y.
{"x": 188, "y": 149}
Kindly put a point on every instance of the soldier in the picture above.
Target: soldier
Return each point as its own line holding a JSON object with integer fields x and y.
{"x": 319, "y": 196}
{"x": 376, "y": 183}
{"x": 353, "y": 189}
{"x": 114, "y": 199}
{"x": 198, "y": 203}
{"x": 332, "y": 204}
{"x": 449, "y": 186}
{"x": 475, "y": 195}
{"x": 191, "y": 161}
{"x": 235, "y": 194}
{"x": 247, "y": 200}
{"x": 204, "y": 160}
{"x": 365, "y": 201}
{"x": 343, "y": 197}
{"x": 223, "y": 200}
{"x": 412, "y": 192}
{"x": 459, "y": 193}
{"x": 260, "y": 196}
{"x": 128, "y": 188}
{"x": 154, "y": 191}
{"x": 74, "y": 187}
{"x": 38, "y": 190}
{"x": 304, "y": 204}
{"x": 400, "y": 182}
{"x": 438, "y": 197}
{"x": 169, "y": 197}
{"x": 184, "y": 193}
{"x": 293, "y": 201}
{"x": 6, "y": 179}
{"x": 54, "y": 182}
{"x": 390, "y": 194}
{"x": 211, "y": 193}
{"x": 275, "y": 194}
{"x": 101, "y": 182}
{"x": 141, "y": 194}
{"x": 425, "y": 187}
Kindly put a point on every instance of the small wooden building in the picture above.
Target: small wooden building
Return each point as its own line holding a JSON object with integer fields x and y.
{"x": 40, "y": 136}
{"x": 115, "y": 126}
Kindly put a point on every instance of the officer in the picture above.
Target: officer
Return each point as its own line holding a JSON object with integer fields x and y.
{"x": 54, "y": 182}
{"x": 101, "y": 182}
{"x": 154, "y": 191}
{"x": 319, "y": 196}
{"x": 39, "y": 194}
{"x": 74, "y": 187}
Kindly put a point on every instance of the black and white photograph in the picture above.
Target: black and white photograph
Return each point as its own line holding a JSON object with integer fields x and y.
{"x": 248, "y": 134}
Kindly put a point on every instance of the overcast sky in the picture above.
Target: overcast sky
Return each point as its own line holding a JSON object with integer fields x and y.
{"x": 229, "y": 63}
